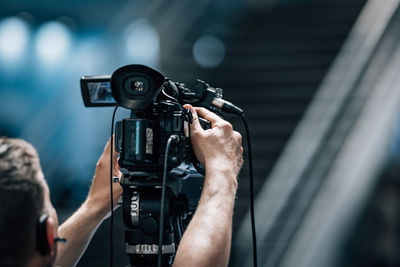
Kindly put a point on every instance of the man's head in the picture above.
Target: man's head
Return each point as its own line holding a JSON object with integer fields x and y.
{"x": 24, "y": 198}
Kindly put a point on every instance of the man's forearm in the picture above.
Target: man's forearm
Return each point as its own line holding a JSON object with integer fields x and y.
{"x": 80, "y": 227}
{"x": 207, "y": 239}
{"x": 78, "y": 230}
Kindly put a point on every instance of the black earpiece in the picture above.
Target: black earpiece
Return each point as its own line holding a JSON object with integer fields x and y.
{"x": 41, "y": 236}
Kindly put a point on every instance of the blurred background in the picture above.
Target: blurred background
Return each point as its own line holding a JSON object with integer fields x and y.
{"x": 318, "y": 80}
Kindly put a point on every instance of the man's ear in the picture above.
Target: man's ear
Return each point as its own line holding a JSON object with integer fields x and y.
{"x": 50, "y": 233}
{"x": 45, "y": 234}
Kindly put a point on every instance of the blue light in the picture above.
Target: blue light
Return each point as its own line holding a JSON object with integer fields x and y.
{"x": 53, "y": 42}
{"x": 209, "y": 51}
{"x": 14, "y": 36}
{"x": 90, "y": 56}
{"x": 142, "y": 43}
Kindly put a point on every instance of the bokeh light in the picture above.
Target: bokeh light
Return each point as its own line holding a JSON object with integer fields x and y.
{"x": 14, "y": 36}
{"x": 89, "y": 56}
{"x": 142, "y": 43}
{"x": 53, "y": 42}
{"x": 209, "y": 51}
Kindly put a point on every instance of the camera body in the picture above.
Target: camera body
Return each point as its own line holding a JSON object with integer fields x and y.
{"x": 141, "y": 140}
{"x": 157, "y": 113}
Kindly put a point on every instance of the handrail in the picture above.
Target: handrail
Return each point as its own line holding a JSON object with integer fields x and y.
{"x": 310, "y": 136}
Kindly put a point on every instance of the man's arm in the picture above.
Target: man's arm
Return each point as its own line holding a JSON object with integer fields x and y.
{"x": 80, "y": 227}
{"x": 207, "y": 240}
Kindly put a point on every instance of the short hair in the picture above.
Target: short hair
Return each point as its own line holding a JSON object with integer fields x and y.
{"x": 21, "y": 201}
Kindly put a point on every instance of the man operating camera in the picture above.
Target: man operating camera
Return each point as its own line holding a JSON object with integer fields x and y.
{"x": 29, "y": 225}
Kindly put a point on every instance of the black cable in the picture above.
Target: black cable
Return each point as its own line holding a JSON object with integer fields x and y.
{"x": 111, "y": 187}
{"x": 253, "y": 225}
{"x": 172, "y": 138}
{"x": 179, "y": 226}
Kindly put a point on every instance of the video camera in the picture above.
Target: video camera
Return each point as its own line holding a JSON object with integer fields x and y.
{"x": 153, "y": 142}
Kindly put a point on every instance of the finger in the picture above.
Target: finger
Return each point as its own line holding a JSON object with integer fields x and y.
{"x": 106, "y": 156}
{"x": 195, "y": 125}
{"x": 210, "y": 116}
{"x": 240, "y": 151}
{"x": 107, "y": 147}
{"x": 116, "y": 168}
{"x": 237, "y": 136}
{"x": 115, "y": 153}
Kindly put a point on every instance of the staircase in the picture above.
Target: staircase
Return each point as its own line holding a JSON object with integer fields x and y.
{"x": 275, "y": 60}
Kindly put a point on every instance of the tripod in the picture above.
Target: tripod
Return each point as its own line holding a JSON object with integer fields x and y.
{"x": 141, "y": 215}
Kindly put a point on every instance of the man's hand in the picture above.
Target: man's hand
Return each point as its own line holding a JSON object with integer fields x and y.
{"x": 218, "y": 148}
{"x": 80, "y": 227}
{"x": 207, "y": 239}
{"x": 99, "y": 194}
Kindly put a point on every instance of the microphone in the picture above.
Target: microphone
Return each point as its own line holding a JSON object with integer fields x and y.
{"x": 226, "y": 106}
{"x": 207, "y": 96}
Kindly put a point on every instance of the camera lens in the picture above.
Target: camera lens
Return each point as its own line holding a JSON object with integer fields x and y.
{"x": 136, "y": 86}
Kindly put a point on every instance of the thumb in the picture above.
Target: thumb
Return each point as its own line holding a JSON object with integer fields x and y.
{"x": 116, "y": 169}
{"x": 195, "y": 125}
